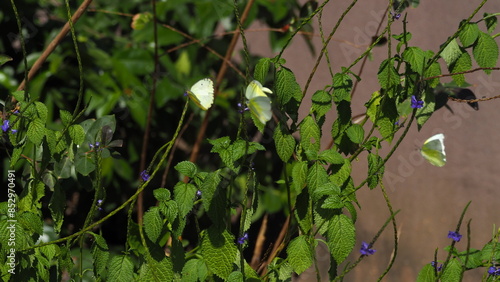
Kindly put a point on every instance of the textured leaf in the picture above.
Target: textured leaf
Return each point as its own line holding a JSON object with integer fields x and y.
{"x": 194, "y": 270}
{"x": 424, "y": 113}
{"x": 453, "y": 271}
{"x": 341, "y": 237}
{"x": 463, "y": 63}
{"x": 42, "y": 111}
{"x": 310, "y": 135}
{"x": 184, "y": 194}
{"x": 341, "y": 173}
{"x": 187, "y": 168}
{"x": 321, "y": 103}
{"x": 153, "y": 223}
{"x": 491, "y": 21}
{"x": 36, "y": 131}
{"x": 342, "y": 86}
{"x": 331, "y": 156}
{"x": 451, "y": 52}
{"x": 469, "y": 34}
{"x": 387, "y": 74}
{"x": 261, "y": 69}
{"x": 66, "y": 117}
{"x": 57, "y": 207}
{"x": 299, "y": 175}
{"x": 300, "y": 253}
{"x": 100, "y": 254}
{"x": 427, "y": 274}
{"x": 219, "y": 251}
{"x": 433, "y": 70}
{"x": 416, "y": 58}
{"x": 77, "y": 134}
{"x": 356, "y": 133}
{"x": 162, "y": 194}
{"x": 120, "y": 269}
{"x": 485, "y": 51}
{"x": 374, "y": 175}
{"x": 316, "y": 177}
{"x": 287, "y": 86}
{"x": 157, "y": 271}
{"x": 285, "y": 143}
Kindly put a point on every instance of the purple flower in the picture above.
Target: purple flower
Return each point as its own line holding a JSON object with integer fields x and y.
{"x": 416, "y": 103}
{"x": 365, "y": 249}
{"x": 395, "y": 16}
{"x": 99, "y": 202}
{"x": 144, "y": 175}
{"x": 438, "y": 268}
{"x": 455, "y": 236}
{"x": 198, "y": 193}
{"x": 494, "y": 271}
{"x": 241, "y": 108}
{"x": 6, "y": 125}
{"x": 243, "y": 239}
{"x": 97, "y": 144}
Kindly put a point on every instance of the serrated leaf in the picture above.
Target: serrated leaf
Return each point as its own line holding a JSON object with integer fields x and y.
{"x": 341, "y": 237}
{"x": 433, "y": 70}
{"x": 302, "y": 211}
{"x": 451, "y": 52}
{"x": 261, "y": 69}
{"x": 161, "y": 194}
{"x": 416, "y": 58}
{"x": 453, "y": 271}
{"x": 340, "y": 173}
{"x": 342, "y": 86}
{"x": 77, "y": 134}
{"x": 427, "y": 274}
{"x": 153, "y": 223}
{"x": 356, "y": 133}
{"x": 485, "y": 51}
{"x": 331, "y": 156}
{"x": 57, "y": 207}
{"x": 36, "y": 131}
{"x": 194, "y": 270}
{"x": 299, "y": 175}
{"x": 42, "y": 111}
{"x": 491, "y": 21}
{"x": 463, "y": 63}
{"x": 66, "y": 117}
{"x": 184, "y": 194}
{"x": 424, "y": 113}
{"x": 321, "y": 103}
{"x": 100, "y": 254}
{"x": 84, "y": 165}
{"x": 310, "y": 135}
{"x": 300, "y": 253}
{"x": 155, "y": 270}
{"x": 469, "y": 34}
{"x": 287, "y": 86}
{"x": 375, "y": 170}
{"x": 19, "y": 95}
{"x": 285, "y": 143}
{"x": 387, "y": 74}
{"x": 187, "y": 168}
{"x": 316, "y": 177}
{"x": 219, "y": 251}
{"x": 120, "y": 269}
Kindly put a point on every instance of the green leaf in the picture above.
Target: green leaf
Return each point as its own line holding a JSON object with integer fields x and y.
{"x": 424, "y": 113}
{"x": 84, "y": 164}
{"x": 342, "y": 86}
{"x": 491, "y": 21}
{"x": 300, "y": 253}
{"x": 19, "y": 95}
{"x": 187, "y": 168}
{"x": 287, "y": 86}
{"x": 485, "y": 51}
{"x": 453, "y": 271}
{"x": 433, "y": 70}
{"x": 427, "y": 274}
{"x": 469, "y": 34}
{"x": 302, "y": 211}
{"x": 261, "y": 69}
{"x": 162, "y": 194}
{"x": 463, "y": 63}
{"x": 219, "y": 251}
{"x": 416, "y": 58}
{"x": 120, "y": 268}
{"x": 153, "y": 224}
{"x": 231, "y": 153}
{"x": 387, "y": 74}
{"x": 299, "y": 175}
{"x": 57, "y": 207}
{"x": 155, "y": 270}
{"x": 356, "y": 133}
{"x": 36, "y": 131}
{"x": 331, "y": 156}
{"x": 341, "y": 237}
{"x": 100, "y": 254}
{"x": 284, "y": 141}
{"x": 451, "y": 52}
{"x": 76, "y": 134}
{"x": 316, "y": 177}
{"x": 66, "y": 117}
{"x": 194, "y": 270}
{"x": 4, "y": 59}
{"x": 341, "y": 172}
{"x": 184, "y": 194}
{"x": 375, "y": 174}
{"x": 42, "y": 111}
{"x": 310, "y": 135}
{"x": 321, "y": 103}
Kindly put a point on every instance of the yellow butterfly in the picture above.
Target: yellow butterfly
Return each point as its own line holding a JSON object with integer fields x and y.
{"x": 258, "y": 102}
{"x": 202, "y": 93}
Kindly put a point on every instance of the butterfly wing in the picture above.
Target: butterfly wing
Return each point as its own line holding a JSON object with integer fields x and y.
{"x": 433, "y": 150}
{"x": 202, "y": 93}
{"x": 260, "y": 108}
{"x": 255, "y": 89}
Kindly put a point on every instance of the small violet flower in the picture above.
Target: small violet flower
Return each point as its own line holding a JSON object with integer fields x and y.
{"x": 198, "y": 193}
{"x": 416, "y": 103}
{"x": 365, "y": 249}
{"x": 144, "y": 175}
{"x": 494, "y": 271}
{"x": 241, "y": 108}
{"x": 438, "y": 268}
{"x": 99, "y": 202}
{"x": 455, "y": 236}
{"x": 6, "y": 125}
{"x": 243, "y": 239}
{"x": 395, "y": 16}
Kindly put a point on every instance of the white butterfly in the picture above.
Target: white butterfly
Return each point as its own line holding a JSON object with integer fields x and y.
{"x": 258, "y": 102}
{"x": 202, "y": 93}
{"x": 433, "y": 150}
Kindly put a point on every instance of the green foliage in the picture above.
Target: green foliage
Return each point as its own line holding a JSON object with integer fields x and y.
{"x": 64, "y": 146}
